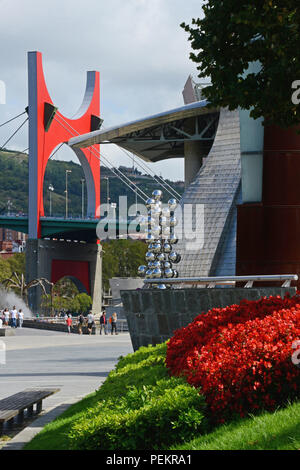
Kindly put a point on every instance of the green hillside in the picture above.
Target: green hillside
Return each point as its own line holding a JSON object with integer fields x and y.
{"x": 14, "y": 185}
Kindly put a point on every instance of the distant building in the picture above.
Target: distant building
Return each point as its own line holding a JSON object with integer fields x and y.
{"x": 11, "y": 242}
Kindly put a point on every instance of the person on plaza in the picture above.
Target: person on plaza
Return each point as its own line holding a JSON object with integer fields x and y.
{"x": 1, "y": 323}
{"x": 20, "y": 317}
{"x": 90, "y": 319}
{"x": 6, "y": 317}
{"x": 81, "y": 321}
{"x": 114, "y": 323}
{"x": 13, "y": 316}
{"x": 103, "y": 323}
{"x": 69, "y": 323}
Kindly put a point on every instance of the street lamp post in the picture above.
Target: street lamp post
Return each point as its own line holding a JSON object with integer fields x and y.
{"x": 82, "y": 197}
{"x": 51, "y": 189}
{"x": 66, "y": 191}
{"x": 107, "y": 194}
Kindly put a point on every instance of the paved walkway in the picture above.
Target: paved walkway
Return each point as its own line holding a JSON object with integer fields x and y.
{"x": 76, "y": 364}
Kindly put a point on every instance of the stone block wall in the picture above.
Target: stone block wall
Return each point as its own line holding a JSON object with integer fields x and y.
{"x": 154, "y": 315}
{"x": 43, "y": 325}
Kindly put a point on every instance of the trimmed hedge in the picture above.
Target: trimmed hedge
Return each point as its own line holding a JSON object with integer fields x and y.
{"x": 145, "y": 416}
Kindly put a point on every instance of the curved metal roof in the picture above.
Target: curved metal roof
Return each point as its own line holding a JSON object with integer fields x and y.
{"x": 159, "y": 136}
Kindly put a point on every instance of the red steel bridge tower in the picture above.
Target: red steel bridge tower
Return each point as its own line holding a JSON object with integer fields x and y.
{"x": 63, "y": 251}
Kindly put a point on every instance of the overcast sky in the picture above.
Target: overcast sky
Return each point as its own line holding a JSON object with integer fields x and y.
{"x": 138, "y": 46}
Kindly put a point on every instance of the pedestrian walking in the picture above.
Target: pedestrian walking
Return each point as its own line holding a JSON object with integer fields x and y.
{"x": 114, "y": 323}
{"x": 6, "y": 317}
{"x": 103, "y": 323}
{"x": 81, "y": 321}
{"x": 90, "y": 319}
{"x": 20, "y": 318}
{"x": 13, "y": 316}
{"x": 69, "y": 323}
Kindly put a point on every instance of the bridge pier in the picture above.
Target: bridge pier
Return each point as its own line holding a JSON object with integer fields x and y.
{"x": 53, "y": 259}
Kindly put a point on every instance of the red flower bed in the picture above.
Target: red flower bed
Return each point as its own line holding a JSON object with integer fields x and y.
{"x": 240, "y": 355}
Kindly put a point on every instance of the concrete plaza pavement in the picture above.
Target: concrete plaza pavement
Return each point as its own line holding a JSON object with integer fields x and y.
{"x": 77, "y": 364}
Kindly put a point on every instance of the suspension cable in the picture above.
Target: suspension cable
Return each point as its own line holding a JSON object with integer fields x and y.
{"x": 58, "y": 148}
{"x": 163, "y": 183}
{"x": 122, "y": 178}
{"x": 12, "y": 119}
{"x": 173, "y": 193}
{"x": 149, "y": 170}
{"x": 14, "y": 134}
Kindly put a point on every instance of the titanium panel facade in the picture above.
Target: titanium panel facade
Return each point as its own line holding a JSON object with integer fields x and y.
{"x": 217, "y": 187}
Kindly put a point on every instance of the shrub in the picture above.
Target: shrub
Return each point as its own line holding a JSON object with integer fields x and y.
{"x": 240, "y": 355}
{"x": 144, "y": 416}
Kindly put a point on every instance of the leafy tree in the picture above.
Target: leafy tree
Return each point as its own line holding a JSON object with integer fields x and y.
{"x": 121, "y": 258}
{"x": 81, "y": 303}
{"x": 17, "y": 263}
{"x": 233, "y": 34}
{"x": 5, "y": 270}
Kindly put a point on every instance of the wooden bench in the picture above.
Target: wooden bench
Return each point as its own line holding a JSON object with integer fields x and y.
{"x": 15, "y": 405}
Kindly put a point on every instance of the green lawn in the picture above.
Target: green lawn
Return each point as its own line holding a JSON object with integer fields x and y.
{"x": 139, "y": 399}
{"x": 269, "y": 431}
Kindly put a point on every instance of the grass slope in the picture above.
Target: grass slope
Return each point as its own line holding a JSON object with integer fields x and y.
{"x": 268, "y": 431}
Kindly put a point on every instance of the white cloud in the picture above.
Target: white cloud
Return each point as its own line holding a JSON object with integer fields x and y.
{"x": 137, "y": 45}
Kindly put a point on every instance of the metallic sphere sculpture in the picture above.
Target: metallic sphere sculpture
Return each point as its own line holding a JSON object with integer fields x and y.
{"x": 160, "y": 236}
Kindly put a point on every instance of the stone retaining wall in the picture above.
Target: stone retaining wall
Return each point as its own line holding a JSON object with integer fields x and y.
{"x": 154, "y": 315}
{"x": 43, "y": 325}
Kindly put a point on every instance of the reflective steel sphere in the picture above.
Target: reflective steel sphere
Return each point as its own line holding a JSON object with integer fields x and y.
{"x": 167, "y": 248}
{"x": 173, "y": 221}
{"x": 150, "y": 256}
{"x": 166, "y": 212}
{"x": 150, "y": 220}
{"x": 168, "y": 273}
{"x": 156, "y": 211}
{"x": 157, "y": 194}
{"x": 150, "y": 247}
{"x": 150, "y": 202}
{"x": 173, "y": 256}
{"x": 161, "y": 286}
{"x": 156, "y": 273}
{"x": 172, "y": 204}
{"x": 173, "y": 239}
{"x": 149, "y": 274}
{"x": 142, "y": 270}
{"x": 161, "y": 257}
{"x": 156, "y": 231}
{"x": 157, "y": 248}
{"x": 156, "y": 264}
{"x": 149, "y": 238}
{"x": 167, "y": 265}
{"x": 166, "y": 231}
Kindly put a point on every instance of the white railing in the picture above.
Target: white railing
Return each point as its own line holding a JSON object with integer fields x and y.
{"x": 226, "y": 280}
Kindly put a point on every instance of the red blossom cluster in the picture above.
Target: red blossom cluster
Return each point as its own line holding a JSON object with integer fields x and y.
{"x": 240, "y": 356}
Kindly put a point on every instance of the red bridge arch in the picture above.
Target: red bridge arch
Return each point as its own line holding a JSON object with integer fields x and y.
{"x": 44, "y": 138}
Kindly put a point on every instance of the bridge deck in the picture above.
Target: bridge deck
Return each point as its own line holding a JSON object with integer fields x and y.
{"x": 69, "y": 229}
